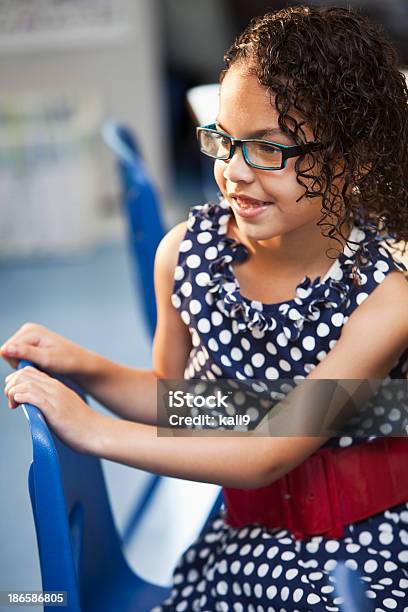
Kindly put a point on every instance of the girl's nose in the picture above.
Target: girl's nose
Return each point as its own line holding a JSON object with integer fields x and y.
{"x": 236, "y": 169}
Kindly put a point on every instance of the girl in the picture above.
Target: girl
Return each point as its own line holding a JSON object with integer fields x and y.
{"x": 310, "y": 148}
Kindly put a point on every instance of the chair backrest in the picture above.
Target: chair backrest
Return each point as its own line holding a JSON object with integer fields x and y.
{"x": 79, "y": 548}
{"x": 142, "y": 209}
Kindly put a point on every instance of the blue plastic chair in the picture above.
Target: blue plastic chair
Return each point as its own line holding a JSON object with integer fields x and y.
{"x": 142, "y": 210}
{"x": 350, "y": 588}
{"x": 79, "y": 548}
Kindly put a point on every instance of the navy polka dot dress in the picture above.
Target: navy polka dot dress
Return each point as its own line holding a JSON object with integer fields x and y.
{"x": 252, "y": 568}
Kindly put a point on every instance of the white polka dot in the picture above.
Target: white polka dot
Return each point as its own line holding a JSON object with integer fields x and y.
{"x": 193, "y": 261}
{"x": 332, "y": 546}
{"x": 271, "y": 373}
{"x": 389, "y": 566}
{"x": 258, "y": 590}
{"x": 285, "y": 365}
{"x": 272, "y": 552}
{"x": 296, "y": 353}
{"x": 271, "y": 348}
{"x": 352, "y": 548}
{"x": 403, "y": 556}
{"x": 312, "y": 598}
{"x": 231, "y": 548}
{"x": 284, "y": 593}
{"x": 213, "y": 344}
{"x": 257, "y": 360}
{"x": 204, "y": 237}
{"x": 192, "y": 575}
{"x": 245, "y": 344}
{"x": 222, "y": 587}
{"x": 226, "y": 361}
{"x": 236, "y": 354}
{"x": 297, "y": 595}
{"x": 394, "y": 414}
{"x": 386, "y": 537}
{"x": 248, "y": 369}
{"x": 175, "y": 300}
{"x": 323, "y": 330}
{"x": 225, "y": 336}
{"x": 185, "y": 246}
{"x": 294, "y": 314}
{"x": 288, "y": 555}
{"x": 186, "y": 289}
{"x": 195, "y": 307}
{"x": 313, "y": 546}
{"x": 245, "y": 549}
{"x": 258, "y": 550}
{"x": 337, "y": 319}
{"x": 281, "y": 339}
{"x": 235, "y": 567}
{"x": 178, "y": 273}
{"x": 202, "y": 279}
{"x": 263, "y": 569}
{"x": 309, "y": 343}
{"x": 291, "y": 573}
{"x": 351, "y": 564}
{"x": 205, "y": 224}
{"x": 185, "y": 317}
{"x": 379, "y": 276}
{"x": 330, "y": 565}
{"x": 271, "y": 592}
{"x": 370, "y": 566}
{"x": 277, "y": 570}
{"x": 216, "y": 318}
{"x": 211, "y": 252}
{"x": 315, "y": 576}
{"x": 249, "y": 568}
{"x": 203, "y": 326}
{"x": 361, "y": 297}
{"x": 181, "y": 606}
{"x": 390, "y": 603}
{"x": 345, "y": 441}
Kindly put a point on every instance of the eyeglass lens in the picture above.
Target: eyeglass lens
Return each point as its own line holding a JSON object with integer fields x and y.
{"x": 257, "y": 153}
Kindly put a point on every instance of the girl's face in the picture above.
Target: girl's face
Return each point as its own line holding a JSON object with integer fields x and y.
{"x": 246, "y": 112}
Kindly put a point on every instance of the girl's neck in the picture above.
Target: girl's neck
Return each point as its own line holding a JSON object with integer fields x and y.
{"x": 299, "y": 252}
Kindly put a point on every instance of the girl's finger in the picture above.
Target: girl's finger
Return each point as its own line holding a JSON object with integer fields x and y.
{"x": 25, "y": 335}
{"x": 23, "y": 350}
{"x": 29, "y": 373}
{"x": 28, "y": 397}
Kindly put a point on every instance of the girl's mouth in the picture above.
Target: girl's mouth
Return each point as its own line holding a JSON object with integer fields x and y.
{"x": 248, "y": 208}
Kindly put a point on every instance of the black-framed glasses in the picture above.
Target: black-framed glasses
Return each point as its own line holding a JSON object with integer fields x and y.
{"x": 260, "y": 154}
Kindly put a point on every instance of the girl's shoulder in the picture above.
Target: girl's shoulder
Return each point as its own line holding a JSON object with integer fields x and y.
{"x": 378, "y": 256}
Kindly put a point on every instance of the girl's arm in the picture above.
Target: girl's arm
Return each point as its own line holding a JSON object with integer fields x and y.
{"x": 129, "y": 392}
{"x": 371, "y": 342}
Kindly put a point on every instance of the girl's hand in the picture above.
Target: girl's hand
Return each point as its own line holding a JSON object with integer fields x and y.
{"x": 45, "y": 348}
{"x": 68, "y": 416}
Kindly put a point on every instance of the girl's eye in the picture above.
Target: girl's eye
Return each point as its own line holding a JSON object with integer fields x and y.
{"x": 267, "y": 148}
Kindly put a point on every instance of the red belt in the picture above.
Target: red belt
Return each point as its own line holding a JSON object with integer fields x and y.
{"x": 329, "y": 490}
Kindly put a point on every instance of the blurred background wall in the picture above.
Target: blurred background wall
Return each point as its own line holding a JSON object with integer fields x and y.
{"x": 67, "y": 65}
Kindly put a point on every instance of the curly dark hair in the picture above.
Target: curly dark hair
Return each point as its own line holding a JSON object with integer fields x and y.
{"x": 339, "y": 72}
